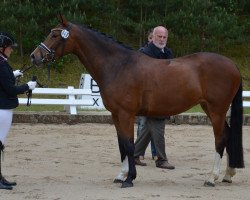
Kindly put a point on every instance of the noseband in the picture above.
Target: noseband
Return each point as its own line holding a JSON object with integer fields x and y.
{"x": 50, "y": 53}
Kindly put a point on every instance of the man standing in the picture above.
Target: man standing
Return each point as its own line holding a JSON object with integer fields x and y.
{"x": 142, "y": 119}
{"x": 155, "y": 126}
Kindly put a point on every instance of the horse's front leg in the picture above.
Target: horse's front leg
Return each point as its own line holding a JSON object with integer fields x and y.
{"x": 129, "y": 151}
{"x": 125, "y": 131}
{"x": 122, "y": 175}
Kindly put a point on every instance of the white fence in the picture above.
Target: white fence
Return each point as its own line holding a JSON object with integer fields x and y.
{"x": 72, "y": 98}
{"x": 70, "y": 102}
{"x": 88, "y": 96}
{"x": 246, "y": 94}
{"x": 87, "y": 82}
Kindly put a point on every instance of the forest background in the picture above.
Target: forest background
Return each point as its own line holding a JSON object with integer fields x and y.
{"x": 221, "y": 26}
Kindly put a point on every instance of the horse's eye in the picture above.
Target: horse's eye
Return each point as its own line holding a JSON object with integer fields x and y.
{"x": 54, "y": 36}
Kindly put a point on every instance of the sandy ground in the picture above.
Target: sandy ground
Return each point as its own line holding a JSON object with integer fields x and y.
{"x": 75, "y": 162}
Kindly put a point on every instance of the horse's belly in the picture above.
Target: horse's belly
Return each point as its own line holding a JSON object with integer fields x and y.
{"x": 170, "y": 104}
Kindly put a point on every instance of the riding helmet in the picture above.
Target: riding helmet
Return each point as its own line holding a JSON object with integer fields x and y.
{"x": 7, "y": 40}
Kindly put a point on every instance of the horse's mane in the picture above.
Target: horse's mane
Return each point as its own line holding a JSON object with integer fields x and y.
{"x": 105, "y": 36}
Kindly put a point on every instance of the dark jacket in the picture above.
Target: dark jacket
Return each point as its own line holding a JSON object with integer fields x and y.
{"x": 8, "y": 90}
{"x": 154, "y": 52}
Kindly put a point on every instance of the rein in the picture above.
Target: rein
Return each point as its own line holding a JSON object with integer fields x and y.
{"x": 25, "y": 69}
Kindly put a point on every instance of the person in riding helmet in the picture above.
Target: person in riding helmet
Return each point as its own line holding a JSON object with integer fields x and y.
{"x": 8, "y": 95}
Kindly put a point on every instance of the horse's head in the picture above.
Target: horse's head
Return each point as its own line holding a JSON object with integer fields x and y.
{"x": 55, "y": 45}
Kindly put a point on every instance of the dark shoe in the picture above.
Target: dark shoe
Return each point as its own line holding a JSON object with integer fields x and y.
{"x": 138, "y": 162}
{"x": 165, "y": 165}
{"x": 5, "y": 187}
{"x": 7, "y": 183}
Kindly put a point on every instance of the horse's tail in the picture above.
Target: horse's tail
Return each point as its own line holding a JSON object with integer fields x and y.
{"x": 235, "y": 147}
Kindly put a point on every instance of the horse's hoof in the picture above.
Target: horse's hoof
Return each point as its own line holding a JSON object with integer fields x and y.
{"x": 126, "y": 185}
{"x": 226, "y": 181}
{"x": 118, "y": 181}
{"x": 209, "y": 184}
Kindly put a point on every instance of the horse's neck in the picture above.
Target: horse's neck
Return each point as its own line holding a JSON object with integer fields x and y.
{"x": 98, "y": 55}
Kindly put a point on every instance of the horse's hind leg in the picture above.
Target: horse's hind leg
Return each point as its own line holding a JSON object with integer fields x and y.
{"x": 220, "y": 143}
{"x": 218, "y": 123}
{"x": 230, "y": 172}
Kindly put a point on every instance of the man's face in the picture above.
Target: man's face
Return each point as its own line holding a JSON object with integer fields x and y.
{"x": 160, "y": 37}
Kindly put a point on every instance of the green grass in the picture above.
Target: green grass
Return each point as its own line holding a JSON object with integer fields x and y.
{"x": 55, "y": 108}
{"x": 40, "y": 108}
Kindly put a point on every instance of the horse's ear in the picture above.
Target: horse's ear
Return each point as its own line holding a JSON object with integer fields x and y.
{"x": 63, "y": 21}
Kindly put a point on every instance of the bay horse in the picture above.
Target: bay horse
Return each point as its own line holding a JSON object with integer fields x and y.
{"x": 133, "y": 84}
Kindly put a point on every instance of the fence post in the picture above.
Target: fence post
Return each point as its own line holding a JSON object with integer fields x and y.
{"x": 71, "y": 108}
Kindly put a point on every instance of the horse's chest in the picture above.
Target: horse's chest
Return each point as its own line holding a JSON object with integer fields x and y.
{"x": 120, "y": 97}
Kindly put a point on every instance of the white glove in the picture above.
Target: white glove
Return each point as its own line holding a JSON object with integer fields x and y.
{"x": 32, "y": 85}
{"x": 17, "y": 73}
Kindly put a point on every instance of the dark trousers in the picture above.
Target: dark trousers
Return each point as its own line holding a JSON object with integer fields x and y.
{"x": 154, "y": 128}
{"x": 141, "y": 123}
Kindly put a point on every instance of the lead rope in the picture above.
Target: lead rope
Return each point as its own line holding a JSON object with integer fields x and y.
{"x": 29, "y": 95}
{"x": 29, "y": 92}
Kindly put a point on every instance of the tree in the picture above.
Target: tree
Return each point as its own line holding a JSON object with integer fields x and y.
{"x": 194, "y": 25}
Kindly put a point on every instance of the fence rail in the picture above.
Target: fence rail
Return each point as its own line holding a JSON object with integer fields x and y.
{"x": 246, "y": 94}
{"x": 71, "y": 101}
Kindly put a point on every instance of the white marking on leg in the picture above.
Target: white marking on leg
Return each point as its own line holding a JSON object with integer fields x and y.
{"x": 230, "y": 172}
{"x": 124, "y": 170}
{"x": 216, "y": 169}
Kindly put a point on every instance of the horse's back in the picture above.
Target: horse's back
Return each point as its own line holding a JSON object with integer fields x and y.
{"x": 217, "y": 75}
{"x": 218, "y": 70}
{"x": 183, "y": 82}
{"x": 208, "y": 67}
{"x": 209, "y": 61}
{"x": 198, "y": 68}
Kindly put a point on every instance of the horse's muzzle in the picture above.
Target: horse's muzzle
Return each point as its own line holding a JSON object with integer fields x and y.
{"x": 35, "y": 61}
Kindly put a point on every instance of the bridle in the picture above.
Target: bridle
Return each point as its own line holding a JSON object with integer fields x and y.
{"x": 48, "y": 58}
{"x": 50, "y": 53}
